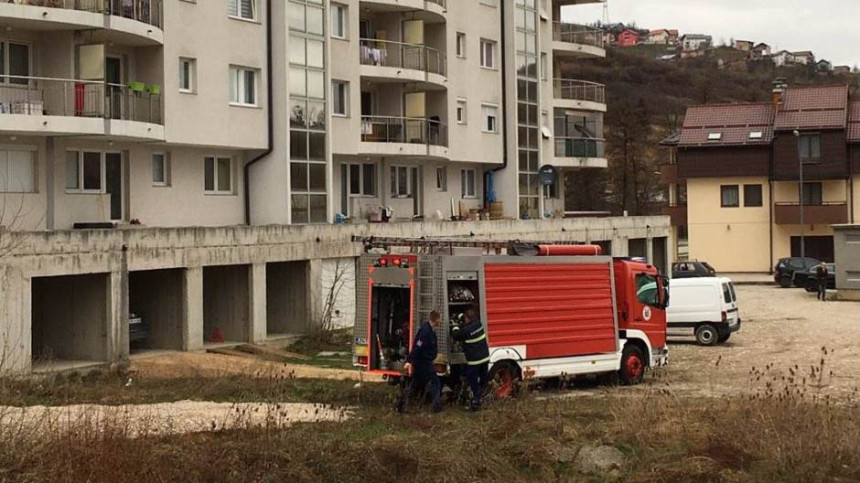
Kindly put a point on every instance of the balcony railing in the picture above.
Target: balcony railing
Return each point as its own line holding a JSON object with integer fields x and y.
{"x": 677, "y": 213}
{"x": 146, "y": 11}
{"x": 577, "y": 34}
{"x": 578, "y": 90}
{"x": 43, "y": 96}
{"x": 403, "y": 56}
{"x": 408, "y": 130}
{"x": 578, "y": 147}
{"x": 438, "y": 2}
{"x": 831, "y": 213}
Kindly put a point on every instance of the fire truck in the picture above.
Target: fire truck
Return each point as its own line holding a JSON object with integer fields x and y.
{"x": 549, "y": 310}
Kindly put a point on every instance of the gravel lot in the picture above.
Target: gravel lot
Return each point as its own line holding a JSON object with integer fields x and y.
{"x": 782, "y": 327}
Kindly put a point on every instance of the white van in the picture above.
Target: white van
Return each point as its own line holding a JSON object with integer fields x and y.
{"x": 705, "y": 307}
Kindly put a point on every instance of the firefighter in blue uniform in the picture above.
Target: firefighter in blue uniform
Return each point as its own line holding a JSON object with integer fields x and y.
{"x": 419, "y": 364}
{"x": 471, "y": 333}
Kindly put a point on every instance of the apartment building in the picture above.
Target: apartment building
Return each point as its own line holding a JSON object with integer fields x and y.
{"x": 735, "y": 177}
{"x": 202, "y": 165}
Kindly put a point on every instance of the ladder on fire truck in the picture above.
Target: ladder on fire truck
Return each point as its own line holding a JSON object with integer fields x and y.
{"x": 434, "y": 245}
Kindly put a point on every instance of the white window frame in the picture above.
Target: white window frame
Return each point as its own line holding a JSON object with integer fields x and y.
{"x": 468, "y": 192}
{"x": 488, "y": 62}
{"x": 362, "y": 194}
{"x": 442, "y": 179}
{"x": 102, "y": 171}
{"x": 394, "y": 189}
{"x": 485, "y": 111}
{"x": 6, "y": 177}
{"x": 192, "y": 75}
{"x": 334, "y": 94}
{"x": 462, "y": 112}
{"x": 215, "y": 191}
{"x": 238, "y": 16}
{"x": 460, "y": 42}
{"x": 165, "y": 159}
{"x": 344, "y": 21}
{"x": 238, "y": 89}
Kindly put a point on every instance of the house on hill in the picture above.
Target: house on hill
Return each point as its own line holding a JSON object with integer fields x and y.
{"x": 824, "y": 66}
{"x": 696, "y": 42}
{"x": 662, "y": 37}
{"x": 842, "y": 70}
{"x": 744, "y": 45}
{"x": 783, "y": 58}
{"x": 627, "y": 38}
{"x": 804, "y": 57}
{"x": 760, "y": 52}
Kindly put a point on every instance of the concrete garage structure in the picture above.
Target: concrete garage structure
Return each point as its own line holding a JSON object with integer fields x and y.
{"x": 847, "y": 249}
{"x": 69, "y": 293}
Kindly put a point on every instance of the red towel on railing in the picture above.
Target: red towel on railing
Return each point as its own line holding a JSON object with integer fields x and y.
{"x": 79, "y": 99}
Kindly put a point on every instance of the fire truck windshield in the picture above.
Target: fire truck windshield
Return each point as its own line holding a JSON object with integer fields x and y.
{"x": 646, "y": 290}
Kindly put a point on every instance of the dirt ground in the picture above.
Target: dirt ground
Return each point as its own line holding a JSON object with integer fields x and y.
{"x": 783, "y": 328}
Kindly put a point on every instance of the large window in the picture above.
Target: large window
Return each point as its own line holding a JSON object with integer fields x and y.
{"x": 401, "y": 182}
{"x": 528, "y": 119}
{"x": 752, "y": 195}
{"x": 810, "y": 148}
{"x": 812, "y": 194}
{"x": 244, "y": 9}
{"x": 729, "y": 196}
{"x": 360, "y": 179}
{"x": 488, "y": 54}
{"x": 468, "y": 183}
{"x": 340, "y": 98}
{"x": 339, "y": 21}
{"x": 84, "y": 171}
{"x": 17, "y": 171}
{"x": 14, "y": 63}
{"x": 187, "y": 75}
{"x": 218, "y": 175}
{"x": 243, "y": 86}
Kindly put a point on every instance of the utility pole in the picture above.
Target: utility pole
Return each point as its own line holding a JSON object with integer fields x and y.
{"x": 606, "y": 13}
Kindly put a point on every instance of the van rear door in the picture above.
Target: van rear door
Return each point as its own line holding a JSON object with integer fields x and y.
{"x": 730, "y": 303}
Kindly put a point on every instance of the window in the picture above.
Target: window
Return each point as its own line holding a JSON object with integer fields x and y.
{"x": 729, "y": 196}
{"x": 715, "y": 136}
{"x": 810, "y": 148}
{"x": 361, "y": 179}
{"x": 160, "y": 170}
{"x": 461, "y": 45}
{"x": 488, "y": 54}
{"x": 756, "y": 135}
{"x": 461, "y": 111}
{"x": 15, "y": 63}
{"x": 187, "y": 75}
{"x": 304, "y": 16}
{"x": 218, "y": 175}
{"x": 84, "y": 171}
{"x": 401, "y": 182}
{"x": 244, "y": 9}
{"x": 646, "y": 289}
{"x": 752, "y": 195}
{"x": 243, "y": 86}
{"x": 544, "y": 66}
{"x": 17, "y": 171}
{"x": 812, "y": 194}
{"x": 340, "y": 98}
{"x": 491, "y": 118}
{"x": 441, "y": 178}
{"x": 339, "y": 21}
{"x": 467, "y": 183}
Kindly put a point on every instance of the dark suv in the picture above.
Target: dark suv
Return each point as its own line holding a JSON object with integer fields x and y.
{"x": 792, "y": 271}
{"x": 692, "y": 269}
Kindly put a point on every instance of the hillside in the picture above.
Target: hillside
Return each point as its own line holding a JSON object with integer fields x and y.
{"x": 647, "y": 99}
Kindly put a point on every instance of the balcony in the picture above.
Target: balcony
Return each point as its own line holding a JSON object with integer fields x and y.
{"x": 573, "y": 152}
{"x": 427, "y": 10}
{"x": 572, "y": 40}
{"x": 832, "y": 213}
{"x": 47, "y": 106}
{"x": 385, "y": 61}
{"x": 677, "y": 213}
{"x": 578, "y": 94}
{"x": 404, "y": 136}
{"x": 129, "y": 22}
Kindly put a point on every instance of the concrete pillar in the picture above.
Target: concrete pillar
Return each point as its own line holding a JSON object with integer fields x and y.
{"x": 620, "y": 246}
{"x": 315, "y": 296}
{"x": 15, "y": 322}
{"x": 257, "y": 302}
{"x": 192, "y": 326}
{"x": 116, "y": 320}
{"x": 649, "y": 249}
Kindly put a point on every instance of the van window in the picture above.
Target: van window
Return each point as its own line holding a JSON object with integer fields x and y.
{"x": 727, "y": 294}
{"x": 732, "y": 289}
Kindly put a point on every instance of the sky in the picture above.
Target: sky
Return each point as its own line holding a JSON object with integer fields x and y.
{"x": 826, "y": 27}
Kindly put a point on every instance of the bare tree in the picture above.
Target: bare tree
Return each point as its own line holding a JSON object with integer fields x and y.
{"x": 341, "y": 276}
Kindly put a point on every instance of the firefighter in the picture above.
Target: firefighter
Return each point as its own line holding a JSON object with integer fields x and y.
{"x": 471, "y": 333}
{"x": 419, "y": 365}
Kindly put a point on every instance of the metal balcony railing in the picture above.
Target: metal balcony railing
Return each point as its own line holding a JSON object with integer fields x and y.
{"x": 44, "y": 96}
{"x": 408, "y": 130}
{"x": 577, "y": 34}
{"x": 437, "y": 2}
{"x": 566, "y": 147}
{"x": 385, "y": 53}
{"x": 578, "y": 90}
{"x": 146, "y": 11}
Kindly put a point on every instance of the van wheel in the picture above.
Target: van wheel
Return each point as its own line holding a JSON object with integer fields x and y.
{"x": 725, "y": 337}
{"x": 504, "y": 376}
{"x": 707, "y": 334}
{"x": 632, "y": 370}
{"x": 785, "y": 281}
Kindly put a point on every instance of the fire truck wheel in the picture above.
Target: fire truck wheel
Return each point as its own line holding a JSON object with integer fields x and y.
{"x": 707, "y": 334}
{"x": 503, "y": 378}
{"x": 632, "y": 366}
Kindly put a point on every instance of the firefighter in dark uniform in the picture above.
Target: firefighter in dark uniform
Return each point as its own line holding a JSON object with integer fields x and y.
{"x": 471, "y": 333}
{"x": 419, "y": 364}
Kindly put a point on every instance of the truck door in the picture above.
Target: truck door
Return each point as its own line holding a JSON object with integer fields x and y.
{"x": 647, "y": 314}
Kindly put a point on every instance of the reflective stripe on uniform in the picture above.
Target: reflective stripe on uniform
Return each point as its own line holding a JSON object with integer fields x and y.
{"x": 476, "y": 339}
{"x": 478, "y": 363}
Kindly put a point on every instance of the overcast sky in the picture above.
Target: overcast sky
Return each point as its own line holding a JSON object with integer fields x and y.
{"x": 826, "y": 27}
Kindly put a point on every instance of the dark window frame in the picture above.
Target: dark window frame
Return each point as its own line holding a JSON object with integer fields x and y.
{"x": 805, "y": 148}
{"x": 760, "y": 196}
{"x": 723, "y": 189}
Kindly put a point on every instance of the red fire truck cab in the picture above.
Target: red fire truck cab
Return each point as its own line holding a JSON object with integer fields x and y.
{"x": 549, "y": 311}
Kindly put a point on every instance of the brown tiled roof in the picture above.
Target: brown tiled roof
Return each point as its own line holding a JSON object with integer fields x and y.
{"x": 854, "y": 122}
{"x": 734, "y": 122}
{"x": 823, "y": 107}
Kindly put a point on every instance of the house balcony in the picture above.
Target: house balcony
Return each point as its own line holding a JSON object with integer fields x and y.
{"x": 123, "y": 22}
{"x": 677, "y": 213}
{"x": 427, "y": 10}
{"x": 403, "y": 136}
{"x": 56, "y": 107}
{"x": 580, "y": 153}
{"x": 579, "y": 95}
{"x": 669, "y": 174}
{"x": 831, "y": 213}
{"x": 578, "y": 41}
{"x": 383, "y": 61}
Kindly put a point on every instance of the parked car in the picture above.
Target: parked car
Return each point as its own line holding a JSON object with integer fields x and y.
{"x": 692, "y": 269}
{"x": 704, "y": 307}
{"x": 811, "y": 278}
{"x": 792, "y": 271}
{"x": 138, "y": 329}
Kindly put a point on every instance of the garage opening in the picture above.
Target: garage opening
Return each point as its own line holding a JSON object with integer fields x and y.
{"x": 287, "y": 287}
{"x": 817, "y": 247}
{"x": 156, "y": 301}
{"x": 637, "y": 248}
{"x": 226, "y": 304}
{"x": 70, "y": 318}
